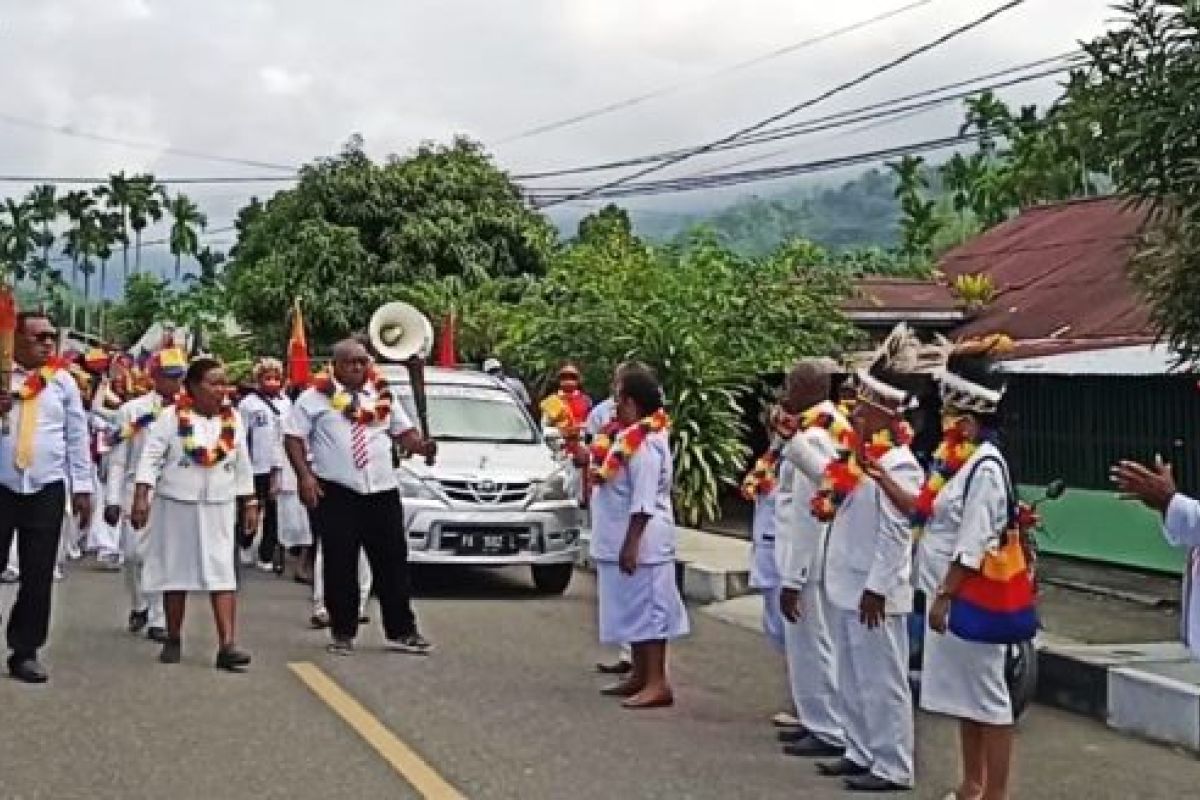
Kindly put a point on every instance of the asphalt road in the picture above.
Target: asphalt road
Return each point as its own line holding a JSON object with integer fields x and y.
{"x": 506, "y": 708}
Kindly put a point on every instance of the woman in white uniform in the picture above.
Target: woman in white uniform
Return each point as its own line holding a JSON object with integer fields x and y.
{"x": 633, "y": 543}
{"x": 959, "y": 522}
{"x": 197, "y": 463}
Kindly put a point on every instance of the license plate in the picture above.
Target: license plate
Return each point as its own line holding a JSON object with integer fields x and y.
{"x": 488, "y": 544}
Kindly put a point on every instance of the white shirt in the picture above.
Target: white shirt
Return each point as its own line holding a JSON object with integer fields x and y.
{"x": 61, "y": 449}
{"x": 764, "y": 574}
{"x": 601, "y": 414}
{"x": 327, "y": 435}
{"x": 264, "y": 429}
{"x": 124, "y": 458}
{"x": 165, "y": 465}
{"x": 643, "y": 486}
{"x": 1182, "y": 529}
{"x": 800, "y": 537}
{"x": 870, "y": 540}
{"x": 963, "y": 528}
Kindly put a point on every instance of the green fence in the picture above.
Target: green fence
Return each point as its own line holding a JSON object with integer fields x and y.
{"x": 1075, "y": 428}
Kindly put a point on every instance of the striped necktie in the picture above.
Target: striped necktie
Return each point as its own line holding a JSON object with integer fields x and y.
{"x": 358, "y": 444}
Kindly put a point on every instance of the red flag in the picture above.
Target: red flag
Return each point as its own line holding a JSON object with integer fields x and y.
{"x": 299, "y": 371}
{"x": 445, "y": 355}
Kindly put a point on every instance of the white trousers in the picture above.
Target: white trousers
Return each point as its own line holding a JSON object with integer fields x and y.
{"x": 364, "y": 581}
{"x": 876, "y": 700}
{"x": 133, "y": 544}
{"x": 812, "y": 666}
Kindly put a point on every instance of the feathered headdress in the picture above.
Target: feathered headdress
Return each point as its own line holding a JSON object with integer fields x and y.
{"x": 960, "y": 391}
{"x": 880, "y": 380}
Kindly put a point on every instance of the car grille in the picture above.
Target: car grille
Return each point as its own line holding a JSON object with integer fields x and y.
{"x": 487, "y": 492}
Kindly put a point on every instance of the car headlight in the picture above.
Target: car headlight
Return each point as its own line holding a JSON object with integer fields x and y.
{"x": 556, "y": 487}
{"x": 412, "y": 487}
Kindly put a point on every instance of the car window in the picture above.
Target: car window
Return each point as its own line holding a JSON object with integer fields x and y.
{"x": 470, "y": 414}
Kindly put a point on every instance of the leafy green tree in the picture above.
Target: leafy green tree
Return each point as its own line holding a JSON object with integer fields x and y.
{"x": 117, "y": 194}
{"x": 146, "y": 300}
{"x": 43, "y": 203}
{"x": 77, "y": 205}
{"x": 18, "y": 238}
{"x": 354, "y": 231}
{"x": 186, "y": 218}
{"x": 1138, "y": 95}
{"x": 919, "y": 223}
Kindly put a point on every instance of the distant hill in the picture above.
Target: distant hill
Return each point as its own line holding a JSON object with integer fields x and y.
{"x": 861, "y": 212}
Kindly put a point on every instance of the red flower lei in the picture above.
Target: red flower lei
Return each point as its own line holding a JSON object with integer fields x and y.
{"x": 205, "y": 456}
{"x": 764, "y": 476}
{"x": 344, "y": 403}
{"x": 844, "y": 473}
{"x": 626, "y": 444}
{"x": 37, "y": 380}
{"x": 950, "y": 457}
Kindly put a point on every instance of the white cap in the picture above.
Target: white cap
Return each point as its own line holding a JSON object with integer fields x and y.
{"x": 491, "y": 365}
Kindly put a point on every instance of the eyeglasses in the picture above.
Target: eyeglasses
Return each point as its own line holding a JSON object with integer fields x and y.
{"x": 46, "y": 337}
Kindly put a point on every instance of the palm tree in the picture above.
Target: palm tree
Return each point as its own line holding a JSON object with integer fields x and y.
{"x": 110, "y": 230}
{"x": 43, "y": 200}
{"x": 145, "y": 206}
{"x": 17, "y": 237}
{"x": 117, "y": 193}
{"x": 186, "y": 216}
{"x": 77, "y": 206}
{"x": 210, "y": 261}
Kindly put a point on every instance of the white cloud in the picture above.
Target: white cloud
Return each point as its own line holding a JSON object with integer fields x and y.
{"x": 278, "y": 80}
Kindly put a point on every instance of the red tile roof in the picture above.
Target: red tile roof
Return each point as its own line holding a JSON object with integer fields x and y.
{"x": 1059, "y": 272}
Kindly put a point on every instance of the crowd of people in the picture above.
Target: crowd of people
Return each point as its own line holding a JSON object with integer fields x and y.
{"x": 850, "y": 525}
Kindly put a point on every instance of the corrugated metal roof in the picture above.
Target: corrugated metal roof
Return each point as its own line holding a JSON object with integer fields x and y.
{"x": 1139, "y": 359}
{"x": 877, "y": 293}
{"x": 1059, "y": 272}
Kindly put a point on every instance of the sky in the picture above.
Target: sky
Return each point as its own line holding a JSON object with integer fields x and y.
{"x": 287, "y": 81}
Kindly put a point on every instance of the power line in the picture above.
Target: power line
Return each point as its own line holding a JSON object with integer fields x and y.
{"x": 835, "y": 120}
{"x": 763, "y": 123}
{"x": 671, "y": 89}
{"x": 166, "y": 181}
{"x": 67, "y": 130}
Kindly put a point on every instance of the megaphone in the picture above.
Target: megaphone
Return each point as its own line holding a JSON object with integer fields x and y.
{"x": 398, "y": 331}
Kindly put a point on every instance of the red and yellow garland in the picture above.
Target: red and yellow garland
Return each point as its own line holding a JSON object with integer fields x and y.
{"x": 954, "y": 451}
{"x": 39, "y": 379}
{"x": 763, "y": 478}
{"x": 348, "y": 405}
{"x": 205, "y": 456}
{"x": 625, "y": 444}
{"x": 844, "y": 473}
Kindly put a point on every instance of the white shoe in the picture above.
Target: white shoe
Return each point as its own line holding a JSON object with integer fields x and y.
{"x": 266, "y": 566}
{"x": 58, "y": 573}
{"x": 247, "y": 557}
{"x": 10, "y": 575}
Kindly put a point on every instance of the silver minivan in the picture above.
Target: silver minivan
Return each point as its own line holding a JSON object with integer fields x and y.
{"x": 500, "y": 493}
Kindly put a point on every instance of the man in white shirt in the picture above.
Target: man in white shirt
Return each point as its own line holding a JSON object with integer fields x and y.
{"x": 1155, "y": 486}
{"x": 263, "y": 411}
{"x": 132, "y": 422}
{"x": 352, "y": 489}
{"x": 44, "y": 454}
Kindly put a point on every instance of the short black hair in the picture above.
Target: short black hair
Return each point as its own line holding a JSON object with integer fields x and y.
{"x": 25, "y": 316}
{"x": 198, "y": 369}
{"x": 641, "y": 386}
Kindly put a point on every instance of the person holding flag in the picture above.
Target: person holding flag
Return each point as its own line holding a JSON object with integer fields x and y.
{"x": 166, "y": 369}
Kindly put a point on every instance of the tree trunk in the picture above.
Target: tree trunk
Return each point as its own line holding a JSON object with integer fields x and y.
{"x": 74, "y": 278}
{"x": 137, "y": 252}
{"x": 124, "y": 265}
{"x": 103, "y": 280}
{"x": 87, "y": 309}
{"x": 178, "y": 259}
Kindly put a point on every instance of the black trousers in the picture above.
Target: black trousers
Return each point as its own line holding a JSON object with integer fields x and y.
{"x": 36, "y": 520}
{"x": 346, "y": 521}
{"x": 270, "y": 525}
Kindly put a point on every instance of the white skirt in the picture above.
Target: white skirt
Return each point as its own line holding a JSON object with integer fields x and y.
{"x": 294, "y": 530}
{"x": 190, "y": 547}
{"x": 642, "y": 607}
{"x": 964, "y": 679}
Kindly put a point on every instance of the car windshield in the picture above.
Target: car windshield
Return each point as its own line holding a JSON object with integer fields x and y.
{"x": 461, "y": 413}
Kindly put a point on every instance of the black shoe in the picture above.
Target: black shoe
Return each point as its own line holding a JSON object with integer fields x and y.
{"x": 138, "y": 620}
{"x": 231, "y": 659}
{"x": 842, "y": 768}
{"x": 792, "y": 735}
{"x": 812, "y": 747}
{"x": 340, "y": 647}
{"x": 27, "y": 670}
{"x": 413, "y": 644}
{"x": 157, "y": 634}
{"x": 172, "y": 652}
{"x": 873, "y": 783}
{"x": 621, "y": 667}
{"x": 278, "y": 563}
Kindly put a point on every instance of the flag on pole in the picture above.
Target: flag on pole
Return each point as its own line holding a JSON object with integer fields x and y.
{"x": 299, "y": 370}
{"x": 446, "y": 356}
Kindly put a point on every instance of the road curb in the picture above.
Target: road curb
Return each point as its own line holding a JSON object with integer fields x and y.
{"x": 1148, "y": 690}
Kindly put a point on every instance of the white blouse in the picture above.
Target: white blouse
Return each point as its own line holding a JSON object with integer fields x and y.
{"x": 643, "y": 486}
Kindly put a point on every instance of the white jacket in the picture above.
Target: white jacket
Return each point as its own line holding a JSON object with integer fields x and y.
{"x": 800, "y": 538}
{"x": 166, "y": 467}
{"x": 123, "y": 459}
{"x": 870, "y": 541}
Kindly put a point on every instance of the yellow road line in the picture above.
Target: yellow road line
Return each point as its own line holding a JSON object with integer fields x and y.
{"x": 411, "y": 767}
